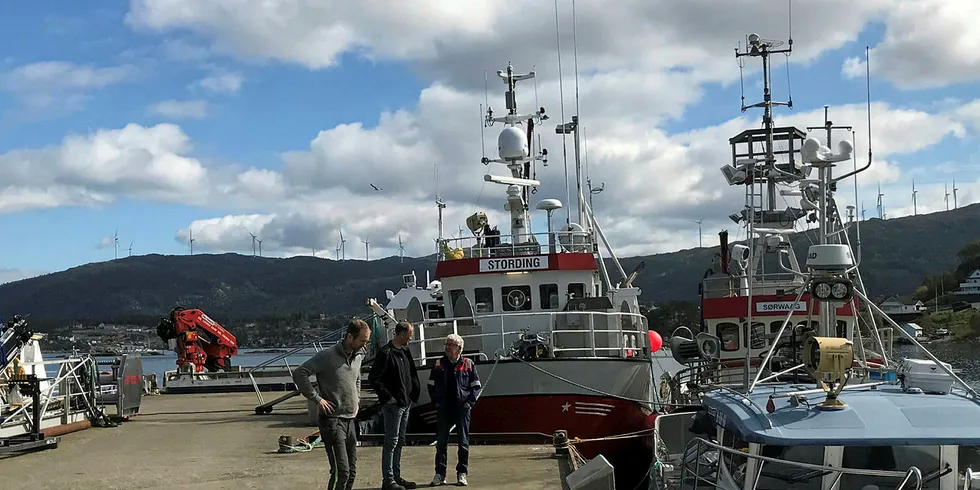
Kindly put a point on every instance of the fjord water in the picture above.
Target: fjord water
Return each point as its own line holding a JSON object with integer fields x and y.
{"x": 962, "y": 355}
{"x": 245, "y": 358}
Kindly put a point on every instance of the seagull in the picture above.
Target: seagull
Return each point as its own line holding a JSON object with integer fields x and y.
{"x": 375, "y": 187}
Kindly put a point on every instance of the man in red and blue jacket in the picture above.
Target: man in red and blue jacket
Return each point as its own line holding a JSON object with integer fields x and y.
{"x": 454, "y": 387}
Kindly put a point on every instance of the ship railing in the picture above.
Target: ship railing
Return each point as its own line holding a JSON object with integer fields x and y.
{"x": 628, "y": 340}
{"x": 281, "y": 361}
{"x": 722, "y": 286}
{"x": 64, "y": 394}
{"x": 523, "y": 244}
{"x": 707, "y": 475}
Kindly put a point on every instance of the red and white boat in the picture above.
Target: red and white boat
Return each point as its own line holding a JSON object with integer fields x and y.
{"x": 558, "y": 346}
{"x": 755, "y": 287}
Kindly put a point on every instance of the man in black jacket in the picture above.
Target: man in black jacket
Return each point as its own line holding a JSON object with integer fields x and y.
{"x": 396, "y": 381}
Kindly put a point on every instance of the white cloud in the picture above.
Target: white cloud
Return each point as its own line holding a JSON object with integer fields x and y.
{"x": 657, "y": 184}
{"x": 177, "y": 109}
{"x": 221, "y": 83}
{"x": 60, "y": 87}
{"x": 648, "y": 69}
{"x": 61, "y": 75}
{"x": 927, "y": 44}
{"x": 453, "y": 40}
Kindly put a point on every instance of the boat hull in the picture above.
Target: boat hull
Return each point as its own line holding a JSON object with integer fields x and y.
{"x": 590, "y": 399}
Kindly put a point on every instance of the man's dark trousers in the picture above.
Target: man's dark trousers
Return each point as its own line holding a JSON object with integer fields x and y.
{"x": 447, "y": 415}
{"x": 339, "y": 436}
{"x": 396, "y": 423}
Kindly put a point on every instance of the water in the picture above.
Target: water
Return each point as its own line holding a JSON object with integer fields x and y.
{"x": 245, "y": 358}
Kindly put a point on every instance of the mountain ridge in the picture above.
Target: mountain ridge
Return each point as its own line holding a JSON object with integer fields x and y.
{"x": 896, "y": 255}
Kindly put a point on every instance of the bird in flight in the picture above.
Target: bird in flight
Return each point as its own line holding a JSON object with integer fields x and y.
{"x": 375, "y": 187}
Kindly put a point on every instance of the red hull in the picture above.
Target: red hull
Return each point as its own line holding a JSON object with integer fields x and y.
{"x": 583, "y": 417}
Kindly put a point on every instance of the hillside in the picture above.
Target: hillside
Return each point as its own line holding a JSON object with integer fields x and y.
{"x": 897, "y": 255}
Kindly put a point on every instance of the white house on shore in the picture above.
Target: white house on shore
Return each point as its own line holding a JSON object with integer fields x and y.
{"x": 971, "y": 286}
{"x": 895, "y": 306}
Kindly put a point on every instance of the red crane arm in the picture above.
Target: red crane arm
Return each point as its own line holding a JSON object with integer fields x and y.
{"x": 201, "y": 341}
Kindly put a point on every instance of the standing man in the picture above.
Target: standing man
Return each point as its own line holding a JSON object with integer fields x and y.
{"x": 454, "y": 386}
{"x": 338, "y": 394}
{"x": 396, "y": 381}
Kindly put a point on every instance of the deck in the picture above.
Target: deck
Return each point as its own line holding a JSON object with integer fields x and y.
{"x": 217, "y": 442}
{"x": 879, "y": 415}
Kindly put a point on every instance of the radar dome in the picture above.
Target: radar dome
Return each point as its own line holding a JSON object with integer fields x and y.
{"x": 512, "y": 144}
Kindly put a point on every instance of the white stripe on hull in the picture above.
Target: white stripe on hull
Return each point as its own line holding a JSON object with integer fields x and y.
{"x": 628, "y": 378}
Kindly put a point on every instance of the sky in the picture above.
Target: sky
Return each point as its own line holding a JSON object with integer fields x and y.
{"x": 152, "y": 119}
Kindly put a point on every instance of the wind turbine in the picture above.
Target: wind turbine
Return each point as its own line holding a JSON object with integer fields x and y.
{"x": 401, "y": 249}
{"x": 915, "y": 210}
{"x": 253, "y": 242}
{"x": 699, "y": 232}
{"x": 946, "y": 187}
{"x": 115, "y": 244}
{"x": 343, "y": 248}
{"x": 954, "y": 194}
{"x": 190, "y": 239}
{"x": 367, "y": 245}
{"x": 260, "y": 246}
{"x": 881, "y": 207}
{"x": 862, "y": 211}
{"x": 131, "y": 248}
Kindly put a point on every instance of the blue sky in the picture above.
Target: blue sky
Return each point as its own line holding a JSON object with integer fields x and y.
{"x": 227, "y": 93}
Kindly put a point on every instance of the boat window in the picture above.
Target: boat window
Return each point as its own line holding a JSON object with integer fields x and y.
{"x": 484, "y": 300}
{"x": 969, "y": 457}
{"x": 786, "y": 476}
{"x": 757, "y": 336}
{"x": 576, "y": 290}
{"x": 889, "y": 458}
{"x": 842, "y": 329}
{"x": 549, "y": 296}
{"x": 454, "y": 295}
{"x": 733, "y": 440}
{"x": 434, "y": 311}
{"x": 728, "y": 333}
{"x": 774, "y": 329}
{"x": 516, "y": 298}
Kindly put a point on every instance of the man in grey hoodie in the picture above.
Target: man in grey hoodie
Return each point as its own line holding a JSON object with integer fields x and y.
{"x": 338, "y": 376}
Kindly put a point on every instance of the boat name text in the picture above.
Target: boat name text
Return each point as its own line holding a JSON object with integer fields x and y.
{"x": 779, "y": 306}
{"x": 514, "y": 264}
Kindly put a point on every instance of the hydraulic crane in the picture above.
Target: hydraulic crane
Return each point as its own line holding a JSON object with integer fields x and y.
{"x": 200, "y": 341}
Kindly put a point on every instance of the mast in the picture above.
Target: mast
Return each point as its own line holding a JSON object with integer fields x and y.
{"x": 757, "y": 172}
{"x": 514, "y": 151}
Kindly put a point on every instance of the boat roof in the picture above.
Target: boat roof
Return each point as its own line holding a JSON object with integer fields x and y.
{"x": 875, "y": 416}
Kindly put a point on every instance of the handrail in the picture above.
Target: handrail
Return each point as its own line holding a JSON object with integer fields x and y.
{"x": 634, "y": 341}
{"x": 700, "y": 441}
{"x": 533, "y": 244}
{"x": 282, "y": 356}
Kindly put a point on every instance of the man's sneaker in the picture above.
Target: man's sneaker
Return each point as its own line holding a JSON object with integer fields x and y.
{"x": 461, "y": 479}
{"x": 407, "y": 484}
{"x": 393, "y": 486}
{"x": 438, "y": 480}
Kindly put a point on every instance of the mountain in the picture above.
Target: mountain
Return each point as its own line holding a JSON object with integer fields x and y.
{"x": 896, "y": 255}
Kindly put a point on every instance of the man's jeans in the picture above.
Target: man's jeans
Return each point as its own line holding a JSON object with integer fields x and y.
{"x": 339, "y": 437}
{"x": 396, "y": 423}
{"x": 446, "y": 417}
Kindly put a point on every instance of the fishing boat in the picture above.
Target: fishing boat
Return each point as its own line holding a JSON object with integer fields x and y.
{"x": 557, "y": 344}
{"x": 790, "y": 382}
